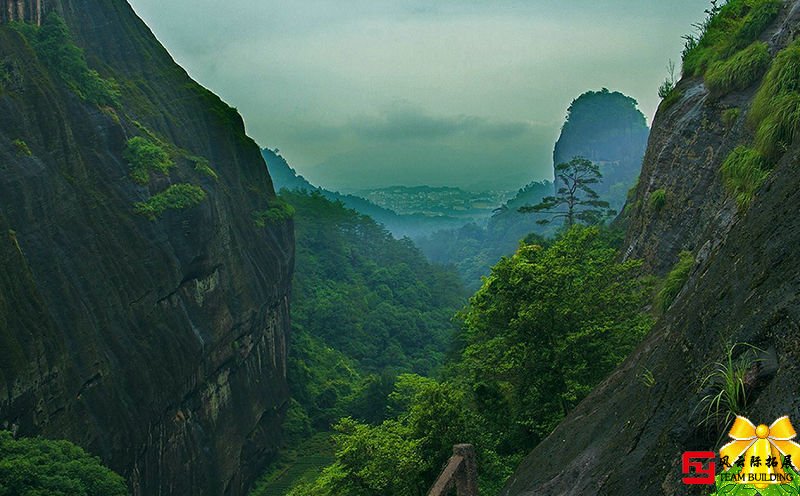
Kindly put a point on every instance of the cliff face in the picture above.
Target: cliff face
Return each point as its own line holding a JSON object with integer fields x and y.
{"x": 628, "y": 436}
{"x": 22, "y": 10}
{"x": 159, "y": 345}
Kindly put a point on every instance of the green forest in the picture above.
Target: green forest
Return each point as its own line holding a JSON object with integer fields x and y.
{"x": 393, "y": 365}
{"x": 232, "y": 336}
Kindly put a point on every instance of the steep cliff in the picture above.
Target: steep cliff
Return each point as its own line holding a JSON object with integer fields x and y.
{"x": 627, "y": 437}
{"x": 143, "y": 312}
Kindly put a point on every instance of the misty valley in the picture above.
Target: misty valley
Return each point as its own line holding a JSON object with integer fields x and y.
{"x": 389, "y": 271}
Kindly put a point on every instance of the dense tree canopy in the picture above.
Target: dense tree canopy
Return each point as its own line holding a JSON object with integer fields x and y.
{"x": 40, "y": 467}
{"x": 548, "y": 324}
{"x": 366, "y": 307}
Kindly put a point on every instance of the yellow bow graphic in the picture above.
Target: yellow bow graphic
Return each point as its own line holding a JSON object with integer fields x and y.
{"x": 761, "y": 449}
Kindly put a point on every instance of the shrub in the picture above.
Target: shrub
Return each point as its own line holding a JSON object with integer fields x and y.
{"x": 675, "y": 280}
{"x": 739, "y": 71}
{"x": 177, "y": 196}
{"x": 730, "y": 116}
{"x": 743, "y": 173}
{"x": 658, "y": 199}
{"x": 55, "y": 468}
{"x": 23, "y": 150}
{"x": 203, "y": 166}
{"x": 145, "y": 156}
{"x": 277, "y": 212}
{"x": 54, "y": 46}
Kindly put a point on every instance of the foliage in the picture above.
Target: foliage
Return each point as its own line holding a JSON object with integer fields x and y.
{"x": 658, "y": 199}
{"x": 177, "y": 196}
{"x": 403, "y": 455}
{"x": 675, "y": 280}
{"x": 724, "y": 383}
{"x": 365, "y": 307}
{"x": 730, "y": 116}
{"x": 23, "y": 150}
{"x": 145, "y": 156}
{"x": 669, "y": 83}
{"x": 743, "y": 172}
{"x": 300, "y": 464}
{"x": 38, "y": 466}
{"x": 671, "y": 99}
{"x": 740, "y": 70}
{"x": 547, "y": 326}
{"x": 727, "y": 30}
{"x": 775, "y": 113}
{"x": 575, "y": 194}
{"x": 277, "y": 212}
{"x": 54, "y": 46}
{"x": 203, "y": 166}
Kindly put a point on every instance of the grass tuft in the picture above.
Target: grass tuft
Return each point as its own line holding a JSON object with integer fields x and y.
{"x": 743, "y": 173}
{"x": 658, "y": 199}
{"x": 734, "y": 27}
{"x": 730, "y": 116}
{"x": 775, "y": 113}
{"x": 739, "y": 71}
{"x": 675, "y": 280}
{"x": 724, "y": 382}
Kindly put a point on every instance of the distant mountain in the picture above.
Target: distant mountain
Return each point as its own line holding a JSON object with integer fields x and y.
{"x": 603, "y": 126}
{"x": 413, "y": 226}
{"x": 607, "y": 128}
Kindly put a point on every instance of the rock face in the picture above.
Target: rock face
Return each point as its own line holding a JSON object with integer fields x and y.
{"x": 607, "y": 128}
{"x": 628, "y": 436}
{"x": 22, "y": 10}
{"x": 158, "y": 345}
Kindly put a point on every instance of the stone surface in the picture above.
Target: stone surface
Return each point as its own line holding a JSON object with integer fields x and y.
{"x": 159, "y": 346}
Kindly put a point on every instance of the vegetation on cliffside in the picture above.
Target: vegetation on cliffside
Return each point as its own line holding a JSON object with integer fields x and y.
{"x": 34, "y": 467}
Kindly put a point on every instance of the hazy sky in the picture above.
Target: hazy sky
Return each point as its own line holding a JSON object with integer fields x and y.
{"x": 469, "y": 93}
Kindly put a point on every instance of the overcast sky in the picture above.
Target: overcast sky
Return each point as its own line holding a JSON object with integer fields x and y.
{"x": 362, "y": 93}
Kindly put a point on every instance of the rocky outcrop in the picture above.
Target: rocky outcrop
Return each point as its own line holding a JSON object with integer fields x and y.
{"x": 22, "y": 11}
{"x": 628, "y": 436}
{"x": 607, "y": 128}
{"x": 158, "y": 345}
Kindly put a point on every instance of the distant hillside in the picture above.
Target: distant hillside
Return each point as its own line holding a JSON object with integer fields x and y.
{"x": 413, "y": 226}
{"x": 473, "y": 249}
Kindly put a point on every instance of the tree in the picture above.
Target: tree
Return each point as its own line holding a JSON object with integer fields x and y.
{"x": 575, "y": 199}
{"x": 56, "y": 468}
